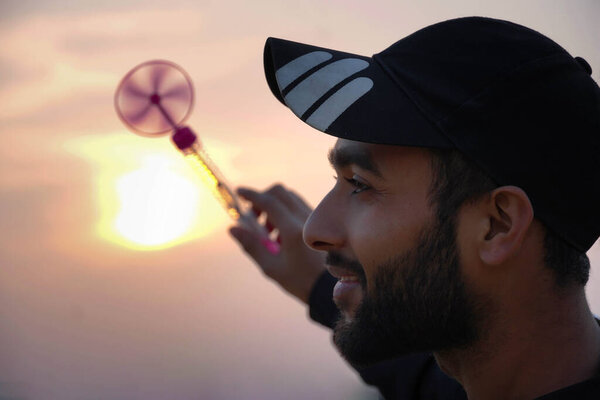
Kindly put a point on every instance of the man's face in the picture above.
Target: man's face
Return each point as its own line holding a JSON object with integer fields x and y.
{"x": 401, "y": 289}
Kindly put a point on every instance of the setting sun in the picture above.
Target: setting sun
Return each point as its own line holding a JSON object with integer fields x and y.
{"x": 147, "y": 196}
{"x": 157, "y": 206}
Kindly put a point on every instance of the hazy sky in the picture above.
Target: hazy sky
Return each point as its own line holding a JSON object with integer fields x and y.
{"x": 88, "y": 314}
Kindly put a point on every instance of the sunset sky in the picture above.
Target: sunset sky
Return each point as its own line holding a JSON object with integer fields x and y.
{"x": 117, "y": 277}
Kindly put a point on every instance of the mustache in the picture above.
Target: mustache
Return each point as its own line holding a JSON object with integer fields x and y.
{"x": 335, "y": 259}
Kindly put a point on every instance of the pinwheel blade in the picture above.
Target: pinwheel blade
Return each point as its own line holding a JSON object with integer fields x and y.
{"x": 139, "y": 116}
{"x": 182, "y": 92}
{"x": 156, "y": 76}
{"x": 134, "y": 90}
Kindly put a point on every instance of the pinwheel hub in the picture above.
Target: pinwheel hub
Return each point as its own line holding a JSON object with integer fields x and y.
{"x": 155, "y": 98}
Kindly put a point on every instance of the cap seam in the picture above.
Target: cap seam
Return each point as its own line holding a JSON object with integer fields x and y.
{"x": 417, "y": 104}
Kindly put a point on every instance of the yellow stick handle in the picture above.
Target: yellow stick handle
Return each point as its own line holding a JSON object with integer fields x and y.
{"x": 212, "y": 178}
{"x": 186, "y": 141}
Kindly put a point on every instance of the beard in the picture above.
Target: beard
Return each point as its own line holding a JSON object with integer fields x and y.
{"x": 419, "y": 302}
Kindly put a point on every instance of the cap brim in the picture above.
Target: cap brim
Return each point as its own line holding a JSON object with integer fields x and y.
{"x": 346, "y": 95}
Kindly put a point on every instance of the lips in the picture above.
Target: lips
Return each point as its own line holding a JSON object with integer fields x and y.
{"x": 347, "y": 292}
{"x": 345, "y": 284}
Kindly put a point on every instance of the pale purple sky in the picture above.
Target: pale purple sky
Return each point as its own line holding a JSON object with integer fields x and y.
{"x": 86, "y": 318}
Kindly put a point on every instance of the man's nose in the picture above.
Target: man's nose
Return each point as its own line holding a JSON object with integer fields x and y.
{"x": 323, "y": 230}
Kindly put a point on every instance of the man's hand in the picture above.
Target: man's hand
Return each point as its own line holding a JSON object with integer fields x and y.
{"x": 296, "y": 267}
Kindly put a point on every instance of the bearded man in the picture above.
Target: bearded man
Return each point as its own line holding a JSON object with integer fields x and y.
{"x": 467, "y": 192}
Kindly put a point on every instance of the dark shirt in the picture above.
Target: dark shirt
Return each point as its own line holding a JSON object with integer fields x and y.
{"x": 417, "y": 376}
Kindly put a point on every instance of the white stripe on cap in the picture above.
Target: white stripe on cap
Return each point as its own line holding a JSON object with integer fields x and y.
{"x": 339, "y": 102}
{"x": 292, "y": 70}
{"x": 311, "y": 89}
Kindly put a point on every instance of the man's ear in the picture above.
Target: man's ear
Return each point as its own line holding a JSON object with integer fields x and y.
{"x": 510, "y": 215}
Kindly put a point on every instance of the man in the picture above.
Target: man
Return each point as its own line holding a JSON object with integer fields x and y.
{"x": 466, "y": 197}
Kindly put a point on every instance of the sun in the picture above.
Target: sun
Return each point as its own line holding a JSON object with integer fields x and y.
{"x": 159, "y": 206}
{"x": 147, "y": 196}
{"x": 156, "y": 206}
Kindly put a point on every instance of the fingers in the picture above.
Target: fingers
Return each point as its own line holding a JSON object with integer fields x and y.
{"x": 252, "y": 244}
{"x": 282, "y": 206}
{"x": 288, "y": 198}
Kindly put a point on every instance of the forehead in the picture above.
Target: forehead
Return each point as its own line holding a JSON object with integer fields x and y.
{"x": 378, "y": 158}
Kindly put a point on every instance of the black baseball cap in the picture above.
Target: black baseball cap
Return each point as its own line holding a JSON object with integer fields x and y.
{"x": 507, "y": 97}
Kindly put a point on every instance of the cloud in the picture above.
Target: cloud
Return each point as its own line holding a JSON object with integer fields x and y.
{"x": 50, "y": 58}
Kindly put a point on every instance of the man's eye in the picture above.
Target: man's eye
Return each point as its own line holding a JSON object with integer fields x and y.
{"x": 358, "y": 186}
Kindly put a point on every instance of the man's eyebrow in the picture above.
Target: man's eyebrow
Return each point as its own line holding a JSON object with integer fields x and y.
{"x": 342, "y": 157}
